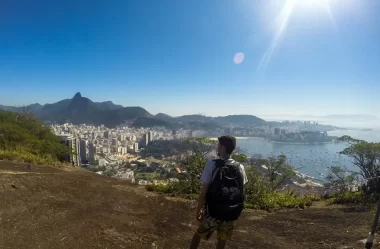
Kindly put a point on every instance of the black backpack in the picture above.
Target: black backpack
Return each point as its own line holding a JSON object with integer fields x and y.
{"x": 225, "y": 197}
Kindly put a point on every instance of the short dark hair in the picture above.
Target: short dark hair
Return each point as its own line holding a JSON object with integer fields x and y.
{"x": 229, "y": 142}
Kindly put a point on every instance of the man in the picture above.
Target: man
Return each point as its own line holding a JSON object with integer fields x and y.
{"x": 222, "y": 196}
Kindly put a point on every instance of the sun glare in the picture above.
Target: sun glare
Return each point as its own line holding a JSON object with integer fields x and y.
{"x": 282, "y": 20}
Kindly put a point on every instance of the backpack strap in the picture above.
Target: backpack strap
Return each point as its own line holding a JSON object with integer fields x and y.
{"x": 219, "y": 163}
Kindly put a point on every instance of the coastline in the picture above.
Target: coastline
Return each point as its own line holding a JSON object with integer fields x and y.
{"x": 277, "y": 142}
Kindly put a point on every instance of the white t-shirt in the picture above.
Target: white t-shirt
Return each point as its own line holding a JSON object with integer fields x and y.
{"x": 206, "y": 176}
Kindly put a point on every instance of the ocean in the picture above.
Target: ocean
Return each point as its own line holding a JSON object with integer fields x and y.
{"x": 313, "y": 158}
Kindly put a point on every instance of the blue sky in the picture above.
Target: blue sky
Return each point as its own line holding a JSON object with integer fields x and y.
{"x": 177, "y": 56}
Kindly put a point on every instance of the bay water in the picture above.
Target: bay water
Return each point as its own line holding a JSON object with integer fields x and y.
{"x": 312, "y": 159}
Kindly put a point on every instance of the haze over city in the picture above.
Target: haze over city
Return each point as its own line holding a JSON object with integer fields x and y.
{"x": 276, "y": 58}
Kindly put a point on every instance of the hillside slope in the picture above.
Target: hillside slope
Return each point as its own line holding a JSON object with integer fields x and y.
{"x": 50, "y": 208}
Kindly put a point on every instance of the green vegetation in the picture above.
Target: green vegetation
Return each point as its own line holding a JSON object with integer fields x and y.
{"x": 25, "y": 138}
{"x": 147, "y": 176}
{"x": 339, "y": 180}
{"x": 349, "y": 197}
{"x": 263, "y": 191}
{"x": 366, "y": 157}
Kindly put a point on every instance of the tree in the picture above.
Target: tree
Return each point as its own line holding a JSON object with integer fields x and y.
{"x": 277, "y": 172}
{"x": 194, "y": 160}
{"x": 339, "y": 180}
{"x": 364, "y": 155}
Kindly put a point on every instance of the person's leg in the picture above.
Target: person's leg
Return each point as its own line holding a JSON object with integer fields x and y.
{"x": 221, "y": 244}
{"x": 195, "y": 241}
{"x": 205, "y": 230}
{"x": 225, "y": 230}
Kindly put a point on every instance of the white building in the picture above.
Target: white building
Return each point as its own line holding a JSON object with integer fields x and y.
{"x": 103, "y": 162}
{"x": 150, "y": 136}
{"x": 135, "y": 147}
{"x": 146, "y": 139}
{"x": 121, "y": 137}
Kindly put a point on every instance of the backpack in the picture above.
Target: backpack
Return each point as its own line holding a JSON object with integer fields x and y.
{"x": 225, "y": 197}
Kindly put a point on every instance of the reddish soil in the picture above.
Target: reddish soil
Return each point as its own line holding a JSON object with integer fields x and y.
{"x": 51, "y": 208}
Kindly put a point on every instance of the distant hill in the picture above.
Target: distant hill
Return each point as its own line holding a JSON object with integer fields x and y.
{"x": 243, "y": 120}
{"x": 81, "y": 110}
{"x": 198, "y": 120}
{"x": 30, "y": 108}
{"x": 151, "y": 122}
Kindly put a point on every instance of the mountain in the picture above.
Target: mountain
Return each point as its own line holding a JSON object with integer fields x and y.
{"x": 9, "y": 108}
{"x": 82, "y": 110}
{"x": 240, "y": 120}
{"x": 196, "y": 120}
{"x": 30, "y": 108}
{"x": 151, "y": 122}
{"x": 108, "y": 105}
{"x": 164, "y": 117}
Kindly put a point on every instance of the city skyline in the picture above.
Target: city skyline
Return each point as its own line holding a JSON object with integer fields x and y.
{"x": 285, "y": 57}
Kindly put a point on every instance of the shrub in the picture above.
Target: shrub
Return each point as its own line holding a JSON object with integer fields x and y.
{"x": 277, "y": 200}
{"x": 181, "y": 187}
{"x": 25, "y": 138}
{"x": 23, "y": 156}
{"x": 267, "y": 200}
{"x": 349, "y": 197}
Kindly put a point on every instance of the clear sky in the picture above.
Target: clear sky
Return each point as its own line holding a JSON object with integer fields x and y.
{"x": 214, "y": 57}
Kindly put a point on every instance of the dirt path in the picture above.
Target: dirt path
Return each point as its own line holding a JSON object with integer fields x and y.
{"x": 50, "y": 208}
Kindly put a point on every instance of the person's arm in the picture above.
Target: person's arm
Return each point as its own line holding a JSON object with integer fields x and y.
{"x": 206, "y": 179}
{"x": 201, "y": 201}
{"x": 245, "y": 178}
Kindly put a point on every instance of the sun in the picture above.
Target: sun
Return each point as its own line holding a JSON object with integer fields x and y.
{"x": 283, "y": 18}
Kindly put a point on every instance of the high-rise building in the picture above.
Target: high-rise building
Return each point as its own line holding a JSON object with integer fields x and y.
{"x": 114, "y": 142}
{"x": 91, "y": 152}
{"x": 135, "y": 147}
{"x": 76, "y": 148}
{"x": 83, "y": 150}
{"x": 73, "y": 143}
{"x": 122, "y": 150}
{"x": 150, "y": 136}
{"x": 146, "y": 142}
{"x": 107, "y": 134}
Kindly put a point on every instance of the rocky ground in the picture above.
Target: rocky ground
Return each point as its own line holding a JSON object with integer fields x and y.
{"x": 50, "y": 208}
